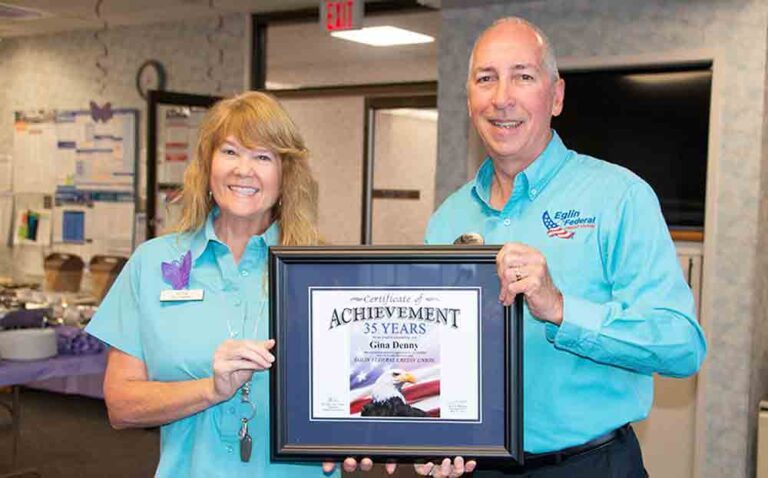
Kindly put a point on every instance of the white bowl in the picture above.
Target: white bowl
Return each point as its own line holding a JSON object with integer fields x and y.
{"x": 27, "y": 344}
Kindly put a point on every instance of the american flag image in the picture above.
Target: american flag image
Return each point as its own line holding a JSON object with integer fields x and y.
{"x": 553, "y": 229}
{"x": 424, "y": 394}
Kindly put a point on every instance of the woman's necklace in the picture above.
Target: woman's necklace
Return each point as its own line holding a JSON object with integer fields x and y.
{"x": 246, "y": 442}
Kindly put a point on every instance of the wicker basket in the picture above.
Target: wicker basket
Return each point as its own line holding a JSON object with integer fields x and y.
{"x": 63, "y": 272}
{"x": 104, "y": 271}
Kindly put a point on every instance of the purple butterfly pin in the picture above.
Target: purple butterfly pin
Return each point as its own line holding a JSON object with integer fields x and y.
{"x": 177, "y": 273}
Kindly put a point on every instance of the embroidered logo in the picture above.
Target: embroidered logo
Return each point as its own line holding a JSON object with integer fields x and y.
{"x": 565, "y": 223}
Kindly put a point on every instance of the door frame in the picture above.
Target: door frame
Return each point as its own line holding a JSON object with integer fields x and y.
{"x": 371, "y": 105}
{"x": 155, "y": 99}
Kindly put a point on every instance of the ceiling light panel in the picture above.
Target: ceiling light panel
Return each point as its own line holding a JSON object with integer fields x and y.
{"x": 383, "y": 36}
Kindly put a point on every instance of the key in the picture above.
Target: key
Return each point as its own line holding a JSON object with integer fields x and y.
{"x": 246, "y": 443}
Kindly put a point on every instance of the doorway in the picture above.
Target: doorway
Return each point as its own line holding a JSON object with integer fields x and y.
{"x": 373, "y": 153}
{"x": 399, "y": 169}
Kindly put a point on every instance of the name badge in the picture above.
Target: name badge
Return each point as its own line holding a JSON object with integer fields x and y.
{"x": 181, "y": 295}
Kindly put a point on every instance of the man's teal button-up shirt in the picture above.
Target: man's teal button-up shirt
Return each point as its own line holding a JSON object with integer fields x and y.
{"x": 176, "y": 342}
{"x": 628, "y": 311}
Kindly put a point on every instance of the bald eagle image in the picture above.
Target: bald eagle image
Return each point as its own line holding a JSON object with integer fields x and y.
{"x": 387, "y": 398}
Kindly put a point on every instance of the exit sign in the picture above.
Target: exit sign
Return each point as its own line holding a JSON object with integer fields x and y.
{"x": 337, "y": 15}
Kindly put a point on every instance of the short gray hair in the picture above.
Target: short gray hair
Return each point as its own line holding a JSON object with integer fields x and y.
{"x": 548, "y": 59}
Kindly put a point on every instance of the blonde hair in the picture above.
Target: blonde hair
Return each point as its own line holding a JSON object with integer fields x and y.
{"x": 254, "y": 119}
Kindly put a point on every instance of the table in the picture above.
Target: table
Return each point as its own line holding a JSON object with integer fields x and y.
{"x": 15, "y": 373}
{"x": 18, "y": 372}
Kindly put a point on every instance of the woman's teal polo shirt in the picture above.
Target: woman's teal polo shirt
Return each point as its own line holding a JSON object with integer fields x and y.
{"x": 176, "y": 342}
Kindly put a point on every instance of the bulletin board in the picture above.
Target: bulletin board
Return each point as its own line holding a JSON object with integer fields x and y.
{"x": 83, "y": 164}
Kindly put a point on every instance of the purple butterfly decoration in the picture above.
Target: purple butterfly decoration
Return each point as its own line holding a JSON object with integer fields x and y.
{"x": 177, "y": 273}
{"x": 101, "y": 113}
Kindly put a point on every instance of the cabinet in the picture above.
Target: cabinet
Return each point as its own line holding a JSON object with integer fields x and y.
{"x": 762, "y": 440}
{"x": 690, "y": 255}
{"x": 667, "y": 435}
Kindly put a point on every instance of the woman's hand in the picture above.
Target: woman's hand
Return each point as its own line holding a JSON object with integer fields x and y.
{"x": 234, "y": 363}
{"x": 446, "y": 469}
{"x": 350, "y": 464}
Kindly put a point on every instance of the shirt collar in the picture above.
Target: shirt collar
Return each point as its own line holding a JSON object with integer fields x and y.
{"x": 207, "y": 234}
{"x": 271, "y": 236}
{"x": 543, "y": 169}
{"x": 532, "y": 180}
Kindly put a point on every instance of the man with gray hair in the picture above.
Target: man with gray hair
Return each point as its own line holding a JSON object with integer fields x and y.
{"x": 586, "y": 244}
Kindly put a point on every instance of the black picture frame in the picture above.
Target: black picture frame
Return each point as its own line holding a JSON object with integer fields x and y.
{"x": 296, "y": 273}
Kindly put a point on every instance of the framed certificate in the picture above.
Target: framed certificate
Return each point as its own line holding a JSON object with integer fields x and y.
{"x": 393, "y": 352}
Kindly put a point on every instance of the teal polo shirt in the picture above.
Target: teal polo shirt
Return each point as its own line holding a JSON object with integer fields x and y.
{"x": 628, "y": 312}
{"x": 176, "y": 341}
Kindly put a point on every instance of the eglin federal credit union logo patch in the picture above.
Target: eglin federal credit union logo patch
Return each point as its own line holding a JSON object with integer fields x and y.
{"x": 565, "y": 223}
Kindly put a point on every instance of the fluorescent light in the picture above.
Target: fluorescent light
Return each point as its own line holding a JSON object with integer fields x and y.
{"x": 278, "y": 85}
{"x": 383, "y": 36}
{"x": 429, "y": 114}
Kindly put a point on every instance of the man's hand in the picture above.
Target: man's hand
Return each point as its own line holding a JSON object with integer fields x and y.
{"x": 350, "y": 464}
{"x": 446, "y": 469}
{"x": 523, "y": 270}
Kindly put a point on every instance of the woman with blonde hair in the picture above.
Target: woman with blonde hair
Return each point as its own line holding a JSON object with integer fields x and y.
{"x": 187, "y": 317}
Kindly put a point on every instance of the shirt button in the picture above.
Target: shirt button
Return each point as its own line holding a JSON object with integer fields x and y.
{"x": 230, "y": 449}
{"x": 238, "y": 302}
{"x": 507, "y": 222}
{"x": 534, "y": 192}
{"x": 231, "y": 410}
{"x": 244, "y": 273}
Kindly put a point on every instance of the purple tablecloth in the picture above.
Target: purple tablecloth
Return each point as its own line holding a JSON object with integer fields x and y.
{"x": 17, "y": 372}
